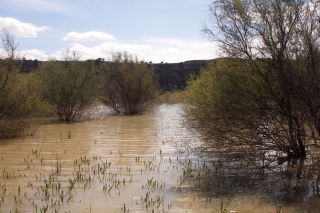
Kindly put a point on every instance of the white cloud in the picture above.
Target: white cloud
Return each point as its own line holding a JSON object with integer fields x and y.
{"x": 28, "y": 54}
{"x": 105, "y": 49}
{"x": 179, "y": 50}
{"x": 169, "y": 50}
{"x": 34, "y": 54}
{"x": 21, "y": 29}
{"x": 168, "y": 41}
{"x": 88, "y": 36}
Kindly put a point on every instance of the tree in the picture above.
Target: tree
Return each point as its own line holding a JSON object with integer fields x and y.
{"x": 266, "y": 96}
{"x": 128, "y": 86}
{"x": 18, "y": 92}
{"x": 70, "y": 86}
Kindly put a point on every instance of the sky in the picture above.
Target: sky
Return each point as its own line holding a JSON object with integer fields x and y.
{"x": 153, "y": 30}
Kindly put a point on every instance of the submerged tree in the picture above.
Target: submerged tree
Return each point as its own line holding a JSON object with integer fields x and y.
{"x": 266, "y": 95}
{"x": 18, "y": 92}
{"x": 70, "y": 86}
{"x": 128, "y": 86}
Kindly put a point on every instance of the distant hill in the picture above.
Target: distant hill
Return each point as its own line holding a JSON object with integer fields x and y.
{"x": 171, "y": 76}
{"x": 174, "y": 76}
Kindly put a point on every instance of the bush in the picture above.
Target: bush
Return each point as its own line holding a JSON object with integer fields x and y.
{"x": 128, "y": 86}
{"x": 69, "y": 86}
{"x": 19, "y": 97}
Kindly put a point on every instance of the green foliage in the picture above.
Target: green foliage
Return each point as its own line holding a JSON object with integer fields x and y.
{"x": 69, "y": 86}
{"x": 266, "y": 95}
{"x": 19, "y": 97}
{"x": 233, "y": 109}
{"x": 128, "y": 86}
{"x": 18, "y": 101}
{"x": 218, "y": 101}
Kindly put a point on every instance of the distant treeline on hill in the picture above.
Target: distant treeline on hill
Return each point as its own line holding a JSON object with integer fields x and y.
{"x": 171, "y": 76}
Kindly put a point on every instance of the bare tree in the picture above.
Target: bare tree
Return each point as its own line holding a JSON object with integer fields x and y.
{"x": 10, "y": 57}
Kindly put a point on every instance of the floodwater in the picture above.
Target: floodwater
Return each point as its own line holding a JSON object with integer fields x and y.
{"x": 142, "y": 164}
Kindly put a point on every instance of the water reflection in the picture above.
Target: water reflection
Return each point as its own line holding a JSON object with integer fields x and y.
{"x": 290, "y": 183}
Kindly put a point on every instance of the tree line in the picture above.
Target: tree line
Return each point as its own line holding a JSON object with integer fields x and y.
{"x": 68, "y": 88}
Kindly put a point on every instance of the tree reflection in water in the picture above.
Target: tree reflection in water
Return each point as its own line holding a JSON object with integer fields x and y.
{"x": 290, "y": 182}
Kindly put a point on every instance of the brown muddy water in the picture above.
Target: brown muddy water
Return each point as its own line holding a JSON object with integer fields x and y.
{"x": 135, "y": 164}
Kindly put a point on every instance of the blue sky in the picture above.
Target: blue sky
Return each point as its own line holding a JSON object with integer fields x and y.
{"x": 154, "y": 30}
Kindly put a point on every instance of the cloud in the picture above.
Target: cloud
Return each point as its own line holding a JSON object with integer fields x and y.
{"x": 168, "y": 41}
{"x": 28, "y": 54}
{"x": 21, "y": 29}
{"x": 34, "y": 54}
{"x": 105, "y": 49}
{"x": 170, "y": 50}
{"x": 88, "y": 36}
{"x": 178, "y": 50}
{"x": 158, "y": 50}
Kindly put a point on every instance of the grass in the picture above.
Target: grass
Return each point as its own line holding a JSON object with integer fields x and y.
{"x": 51, "y": 190}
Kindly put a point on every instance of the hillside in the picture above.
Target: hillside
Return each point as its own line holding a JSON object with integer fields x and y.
{"x": 171, "y": 76}
{"x": 174, "y": 76}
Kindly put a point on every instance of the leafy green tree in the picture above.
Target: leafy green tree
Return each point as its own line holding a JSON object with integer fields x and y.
{"x": 70, "y": 86}
{"x": 128, "y": 86}
{"x": 19, "y": 98}
{"x": 266, "y": 96}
